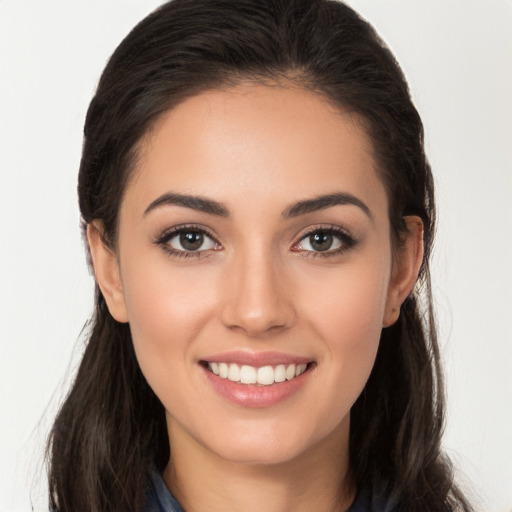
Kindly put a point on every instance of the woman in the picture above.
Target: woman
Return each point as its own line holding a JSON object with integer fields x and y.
{"x": 259, "y": 213}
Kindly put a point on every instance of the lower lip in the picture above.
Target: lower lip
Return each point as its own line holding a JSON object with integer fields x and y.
{"x": 253, "y": 395}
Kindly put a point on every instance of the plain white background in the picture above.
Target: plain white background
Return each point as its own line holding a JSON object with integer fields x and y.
{"x": 457, "y": 55}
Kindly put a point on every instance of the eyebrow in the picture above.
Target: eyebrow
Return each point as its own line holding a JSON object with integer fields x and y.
{"x": 327, "y": 201}
{"x": 194, "y": 202}
{"x": 300, "y": 208}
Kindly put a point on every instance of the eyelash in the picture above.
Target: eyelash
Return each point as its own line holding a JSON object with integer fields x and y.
{"x": 164, "y": 239}
{"x": 346, "y": 241}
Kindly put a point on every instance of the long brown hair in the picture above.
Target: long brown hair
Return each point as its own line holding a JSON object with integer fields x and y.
{"x": 110, "y": 432}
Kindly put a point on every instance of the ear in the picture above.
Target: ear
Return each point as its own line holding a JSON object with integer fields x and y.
{"x": 406, "y": 266}
{"x": 106, "y": 270}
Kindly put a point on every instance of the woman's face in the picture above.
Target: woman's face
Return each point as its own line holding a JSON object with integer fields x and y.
{"x": 254, "y": 245}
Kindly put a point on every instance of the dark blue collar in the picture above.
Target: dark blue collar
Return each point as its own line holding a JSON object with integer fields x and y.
{"x": 161, "y": 500}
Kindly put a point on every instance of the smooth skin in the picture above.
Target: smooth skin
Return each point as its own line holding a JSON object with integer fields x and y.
{"x": 256, "y": 281}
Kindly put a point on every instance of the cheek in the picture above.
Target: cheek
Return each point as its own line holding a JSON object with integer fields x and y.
{"x": 166, "y": 309}
{"x": 349, "y": 303}
{"x": 348, "y": 316}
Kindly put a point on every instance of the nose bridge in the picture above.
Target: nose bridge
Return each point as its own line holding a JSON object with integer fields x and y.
{"x": 256, "y": 299}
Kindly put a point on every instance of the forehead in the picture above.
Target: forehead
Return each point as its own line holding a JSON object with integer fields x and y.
{"x": 258, "y": 140}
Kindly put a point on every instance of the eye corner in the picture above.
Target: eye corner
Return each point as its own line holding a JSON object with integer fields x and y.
{"x": 296, "y": 247}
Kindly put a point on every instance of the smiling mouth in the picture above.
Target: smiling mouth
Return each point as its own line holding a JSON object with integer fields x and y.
{"x": 263, "y": 376}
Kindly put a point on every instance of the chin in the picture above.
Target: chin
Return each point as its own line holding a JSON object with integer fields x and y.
{"x": 261, "y": 443}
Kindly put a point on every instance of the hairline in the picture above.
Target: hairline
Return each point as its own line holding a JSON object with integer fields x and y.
{"x": 229, "y": 80}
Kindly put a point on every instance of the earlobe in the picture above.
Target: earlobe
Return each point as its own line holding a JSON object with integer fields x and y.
{"x": 106, "y": 271}
{"x": 405, "y": 269}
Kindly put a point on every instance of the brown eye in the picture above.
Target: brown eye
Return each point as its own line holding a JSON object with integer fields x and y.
{"x": 191, "y": 241}
{"x": 325, "y": 241}
{"x": 321, "y": 241}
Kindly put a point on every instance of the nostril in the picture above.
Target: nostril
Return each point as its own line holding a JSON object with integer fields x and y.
{"x": 256, "y": 322}
{"x": 255, "y": 297}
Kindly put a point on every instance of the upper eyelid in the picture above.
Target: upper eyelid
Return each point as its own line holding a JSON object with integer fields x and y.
{"x": 348, "y": 241}
{"x": 170, "y": 232}
{"x": 163, "y": 241}
{"x": 322, "y": 227}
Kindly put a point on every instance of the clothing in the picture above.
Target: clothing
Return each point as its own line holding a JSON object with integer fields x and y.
{"x": 161, "y": 500}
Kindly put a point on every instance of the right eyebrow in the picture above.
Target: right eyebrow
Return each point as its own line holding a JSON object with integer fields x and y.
{"x": 326, "y": 201}
{"x": 201, "y": 204}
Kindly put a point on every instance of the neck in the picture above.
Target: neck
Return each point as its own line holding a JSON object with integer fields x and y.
{"x": 318, "y": 479}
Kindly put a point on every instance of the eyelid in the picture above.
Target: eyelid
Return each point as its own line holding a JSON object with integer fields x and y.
{"x": 348, "y": 241}
{"x": 180, "y": 228}
{"x": 165, "y": 236}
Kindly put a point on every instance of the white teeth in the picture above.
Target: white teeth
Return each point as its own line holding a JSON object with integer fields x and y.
{"x": 280, "y": 373}
{"x": 248, "y": 375}
{"x": 234, "y": 372}
{"x": 223, "y": 370}
{"x": 290, "y": 372}
{"x": 301, "y": 368}
{"x": 264, "y": 376}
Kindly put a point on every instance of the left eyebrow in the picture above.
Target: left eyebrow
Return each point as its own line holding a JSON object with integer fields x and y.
{"x": 201, "y": 204}
{"x": 327, "y": 201}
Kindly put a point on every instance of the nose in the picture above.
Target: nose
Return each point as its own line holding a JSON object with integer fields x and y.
{"x": 257, "y": 300}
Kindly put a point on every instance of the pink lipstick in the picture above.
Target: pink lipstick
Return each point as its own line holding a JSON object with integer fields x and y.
{"x": 257, "y": 379}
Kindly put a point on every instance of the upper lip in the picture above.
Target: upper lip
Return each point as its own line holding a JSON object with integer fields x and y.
{"x": 256, "y": 359}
